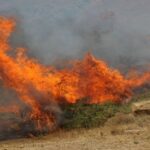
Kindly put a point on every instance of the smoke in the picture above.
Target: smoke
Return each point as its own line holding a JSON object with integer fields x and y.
{"x": 62, "y": 29}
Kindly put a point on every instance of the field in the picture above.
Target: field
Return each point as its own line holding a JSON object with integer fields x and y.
{"x": 118, "y": 129}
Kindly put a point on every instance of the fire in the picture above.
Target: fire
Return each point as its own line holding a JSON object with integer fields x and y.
{"x": 39, "y": 87}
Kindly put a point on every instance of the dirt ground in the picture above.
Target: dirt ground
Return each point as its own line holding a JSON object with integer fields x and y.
{"x": 122, "y": 132}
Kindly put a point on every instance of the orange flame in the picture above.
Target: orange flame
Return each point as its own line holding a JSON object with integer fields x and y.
{"x": 39, "y": 86}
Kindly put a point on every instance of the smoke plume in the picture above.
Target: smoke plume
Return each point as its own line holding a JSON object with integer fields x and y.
{"x": 116, "y": 31}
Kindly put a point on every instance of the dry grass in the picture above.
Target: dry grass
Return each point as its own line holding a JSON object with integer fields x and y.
{"x": 122, "y": 132}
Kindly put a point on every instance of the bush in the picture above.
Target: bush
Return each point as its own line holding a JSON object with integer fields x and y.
{"x": 81, "y": 115}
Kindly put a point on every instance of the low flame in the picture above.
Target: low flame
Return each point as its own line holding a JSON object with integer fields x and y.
{"x": 39, "y": 86}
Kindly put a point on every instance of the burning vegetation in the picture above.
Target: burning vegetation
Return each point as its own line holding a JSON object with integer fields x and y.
{"x": 43, "y": 88}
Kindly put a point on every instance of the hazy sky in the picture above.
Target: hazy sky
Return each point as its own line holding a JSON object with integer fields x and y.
{"x": 66, "y": 28}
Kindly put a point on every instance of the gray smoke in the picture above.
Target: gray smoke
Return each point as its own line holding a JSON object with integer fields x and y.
{"x": 117, "y": 31}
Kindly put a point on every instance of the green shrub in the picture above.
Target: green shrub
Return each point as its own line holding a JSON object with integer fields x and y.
{"x": 81, "y": 115}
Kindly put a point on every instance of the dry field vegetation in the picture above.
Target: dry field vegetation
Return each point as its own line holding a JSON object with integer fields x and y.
{"x": 115, "y": 128}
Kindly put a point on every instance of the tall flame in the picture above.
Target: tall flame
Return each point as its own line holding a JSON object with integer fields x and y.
{"x": 39, "y": 86}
